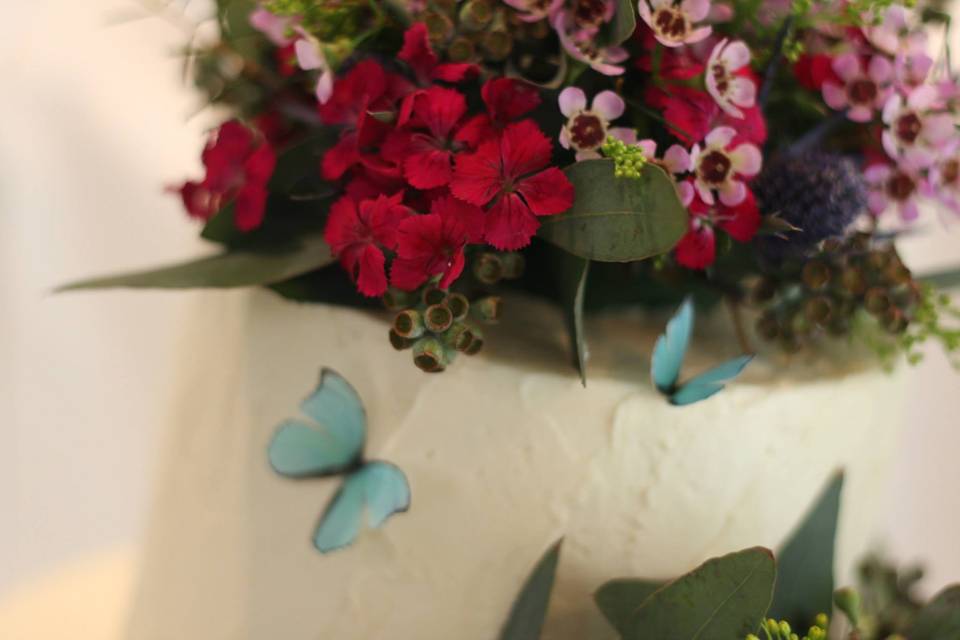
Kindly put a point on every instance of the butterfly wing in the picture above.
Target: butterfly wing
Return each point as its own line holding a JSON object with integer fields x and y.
{"x": 372, "y": 494}
{"x": 299, "y": 449}
{"x": 670, "y": 349}
{"x": 709, "y": 383}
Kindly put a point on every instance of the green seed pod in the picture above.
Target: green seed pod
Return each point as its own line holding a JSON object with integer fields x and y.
{"x": 458, "y": 337}
{"x": 853, "y": 281}
{"x": 395, "y": 299}
{"x": 514, "y": 265}
{"x": 461, "y": 50}
{"x": 438, "y": 318}
{"x": 816, "y": 275}
{"x": 895, "y": 321}
{"x": 876, "y": 301}
{"x": 408, "y": 324}
{"x": 497, "y": 44}
{"x": 488, "y": 268}
{"x": 433, "y": 295}
{"x": 475, "y": 15}
{"x": 476, "y": 344}
{"x": 763, "y": 291}
{"x": 877, "y": 261}
{"x": 459, "y": 305}
{"x": 430, "y": 356}
{"x": 439, "y": 26}
{"x": 800, "y": 325}
{"x": 488, "y": 309}
{"x": 818, "y": 310}
{"x": 400, "y": 343}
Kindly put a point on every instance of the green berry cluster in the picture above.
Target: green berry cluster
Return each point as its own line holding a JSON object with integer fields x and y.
{"x": 805, "y": 299}
{"x": 781, "y": 630}
{"x": 435, "y": 324}
{"x": 629, "y": 160}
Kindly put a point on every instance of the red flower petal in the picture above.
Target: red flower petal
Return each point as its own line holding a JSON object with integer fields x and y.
{"x": 372, "y": 274}
{"x": 428, "y": 169}
{"x": 381, "y": 217}
{"x": 249, "y": 207}
{"x": 743, "y": 221}
{"x": 697, "y": 249}
{"x": 547, "y": 192}
{"x": 510, "y": 223}
{"x": 524, "y": 149}
{"x": 439, "y": 110}
{"x": 455, "y": 71}
{"x": 476, "y": 177}
{"x": 476, "y": 130}
{"x": 462, "y": 221}
{"x": 416, "y": 50}
{"x": 343, "y": 227}
{"x": 258, "y": 168}
{"x": 363, "y": 85}
{"x": 338, "y": 159}
{"x": 507, "y": 98}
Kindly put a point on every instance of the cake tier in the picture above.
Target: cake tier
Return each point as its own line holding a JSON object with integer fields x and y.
{"x": 505, "y": 453}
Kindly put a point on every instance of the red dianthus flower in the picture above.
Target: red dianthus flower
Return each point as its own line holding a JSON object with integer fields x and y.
{"x": 697, "y": 249}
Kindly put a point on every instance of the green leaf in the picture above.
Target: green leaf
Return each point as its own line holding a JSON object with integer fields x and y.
{"x": 939, "y": 620}
{"x": 618, "y": 599}
{"x": 805, "y": 564}
{"x": 624, "y": 22}
{"x": 530, "y": 608}
{"x": 230, "y": 269}
{"x": 617, "y": 219}
{"x": 723, "y": 599}
{"x": 573, "y": 288}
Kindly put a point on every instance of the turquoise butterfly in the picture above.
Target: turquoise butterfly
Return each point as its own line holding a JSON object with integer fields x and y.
{"x": 668, "y": 355}
{"x": 333, "y": 445}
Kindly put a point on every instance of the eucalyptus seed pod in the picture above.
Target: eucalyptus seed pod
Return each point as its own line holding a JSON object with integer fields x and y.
{"x": 497, "y": 43}
{"x": 458, "y": 337}
{"x": 763, "y": 291}
{"x": 800, "y": 325}
{"x": 439, "y": 26}
{"x": 853, "y": 281}
{"x": 818, "y": 310}
{"x": 488, "y": 309}
{"x": 839, "y": 325}
{"x": 433, "y": 295}
{"x": 475, "y": 15}
{"x": 408, "y": 324}
{"x": 488, "y": 268}
{"x": 430, "y": 355}
{"x": 461, "y": 50}
{"x": 876, "y": 301}
{"x": 400, "y": 343}
{"x": 396, "y": 300}
{"x": 459, "y": 305}
{"x": 894, "y": 320}
{"x": 816, "y": 275}
{"x": 438, "y": 318}
{"x": 476, "y": 344}
{"x": 768, "y": 326}
{"x": 514, "y": 265}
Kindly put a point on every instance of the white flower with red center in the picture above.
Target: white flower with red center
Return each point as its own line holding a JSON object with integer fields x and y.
{"x": 675, "y": 24}
{"x": 587, "y": 129}
{"x": 913, "y": 128}
{"x": 896, "y": 32}
{"x": 944, "y": 181}
{"x": 865, "y": 89}
{"x": 897, "y": 187}
{"x": 722, "y": 166}
{"x": 730, "y": 90}
{"x": 582, "y": 46}
{"x": 677, "y": 161}
{"x": 535, "y": 10}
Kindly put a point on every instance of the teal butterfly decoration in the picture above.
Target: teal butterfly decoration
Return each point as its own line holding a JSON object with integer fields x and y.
{"x": 668, "y": 355}
{"x": 332, "y": 446}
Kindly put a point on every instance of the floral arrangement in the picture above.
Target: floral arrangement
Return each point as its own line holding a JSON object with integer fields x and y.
{"x": 434, "y": 154}
{"x": 752, "y": 595}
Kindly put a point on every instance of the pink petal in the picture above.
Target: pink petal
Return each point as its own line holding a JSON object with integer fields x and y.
{"x": 834, "y": 95}
{"x": 686, "y": 192}
{"x": 703, "y": 190}
{"x": 922, "y": 97}
{"x": 877, "y": 202}
{"x": 572, "y": 100}
{"x": 892, "y": 107}
{"x": 564, "y": 137}
{"x": 909, "y": 211}
{"x": 747, "y": 159}
{"x": 608, "y": 105}
{"x": 860, "y": 113}
{"x": 623, "y": 134}
{"x": 643, "y": 9}
{"x": 309, "y": 54}
{"x": 695, "y": 10}
{"x": 847, "y": 66}
{"x": 732, "y": 193}
{"x": 678, "y": 160}
{"x": 743, "y": 92}
{"x": 324, "y": 86}
{"x": 735, "y": 56}
{"x": 880, "y": 69}
{"x": 649, "y": 148}
{"x": 938, "y": 128}
{"x": 698, "y": 35}
{"x": 721, "y": 137}
{"x": 889, "y": 144}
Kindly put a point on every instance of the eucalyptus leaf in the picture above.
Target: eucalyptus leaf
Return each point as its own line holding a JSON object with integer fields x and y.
{"x": 573, "y": 288}
{"x": 618, "y": 599}
{"x": 617, "y": 219}
{"x": 624, "y": 21}
{"x": 530, "y": 608}
{"x": 940, "y": 619}
{"x": 226, "y": 270}
{"x": 723, "y": 599}
{"x": 805, "y": 564}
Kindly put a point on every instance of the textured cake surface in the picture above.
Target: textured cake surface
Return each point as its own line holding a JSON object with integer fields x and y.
{"x": 505, "y": 453}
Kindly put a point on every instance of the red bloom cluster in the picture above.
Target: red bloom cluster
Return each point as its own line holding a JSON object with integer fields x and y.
{"x": 239, "y": 162}
{"x": 412, "y": 146}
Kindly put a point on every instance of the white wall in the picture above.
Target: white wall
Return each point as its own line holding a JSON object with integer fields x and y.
{"x": 93, "y": 121}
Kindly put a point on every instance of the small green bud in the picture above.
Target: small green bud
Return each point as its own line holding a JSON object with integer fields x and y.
{"x": 488, "y": 309}
{"x": 784, "y": 628}
{"x": 750, "y": 636}
{"x": 459, "y": 305}
{"x": 430, "y": 356}
{"x": 408, "y": 324}
{"x": 848, "y": 601}
{"x": 822, "y": 620}
{"x": 438, "y": 318}
{"x": 400, "y": 343}
{"x": 488, "y": 268}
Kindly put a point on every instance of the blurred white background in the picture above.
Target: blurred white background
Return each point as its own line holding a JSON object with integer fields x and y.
{"x": 94, "y": 120}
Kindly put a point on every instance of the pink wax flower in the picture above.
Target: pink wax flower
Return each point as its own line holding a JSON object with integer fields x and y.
{"x": 725, "y": 84}
{"x": 898, "y": 187}
{"x": 673, "y": 24}
{"x": 586, "y": 129}
{"x": 864, "y": 90}
{"x": 722, "y": 166}
{"x": 677, "y": 161}
{"x": 913, "y": 126}
{"x": 605, "y": 60}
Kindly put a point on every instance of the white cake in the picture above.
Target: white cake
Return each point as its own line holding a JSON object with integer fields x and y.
{"x": 505, "y": 453}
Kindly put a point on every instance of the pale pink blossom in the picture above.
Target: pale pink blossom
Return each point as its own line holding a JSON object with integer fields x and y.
{"x": 944, "y": 177}
{"x": 586, "y": 128}
{"x": 864, "y": 90}
{"x": 913, "y": 128}
{"x": 897, "y": 188}
{"x": 731, "y": 91}
{"x": 605, "y": 60}
{"x": 310, "y": 57}
{"x": 535, "y": 10}
{"x": 722, "y": 166}
{"x": 677, "y": 161}
{"x": 896, "y": 32}
{"x": 676, "y": 24}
